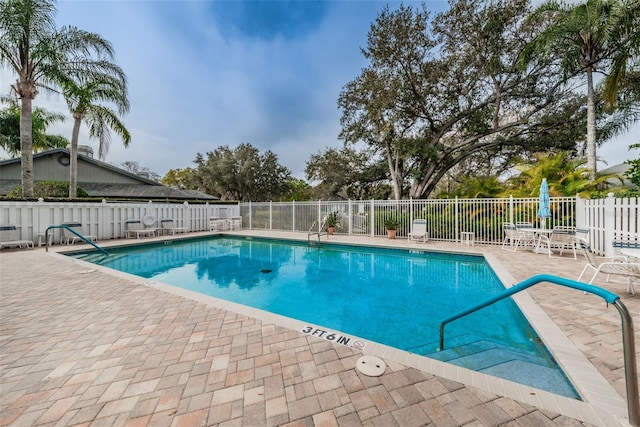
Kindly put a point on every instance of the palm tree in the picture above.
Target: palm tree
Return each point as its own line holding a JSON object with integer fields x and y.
{"x": 10, "y": 130}
{"x": 84, "y": 95}
{"x": 588, "y": 37}
{"x": 566, "y": 175}
{"x": 625, "y": 31}
{"x": 41, "y": 55}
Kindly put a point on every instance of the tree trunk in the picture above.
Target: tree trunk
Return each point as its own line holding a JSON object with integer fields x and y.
{"x": 73, "y": 159}
{"x": 26, "y": 147}
{"x": 591, "y": 127}
{"x": 396, "y": 180}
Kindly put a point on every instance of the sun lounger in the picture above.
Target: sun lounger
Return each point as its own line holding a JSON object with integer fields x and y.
{"x": 10, "y": 237}
{"x": 610, "y": 266}
{"x": 167, "y": 226}
{"x": 69, "y": 238}
{"x": 134, "y": 227}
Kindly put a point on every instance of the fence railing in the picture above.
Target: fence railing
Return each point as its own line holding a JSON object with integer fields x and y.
{"x": 607, "y": 219}
{"x": 106, "y": 220}
{"x": 446, "y": 218}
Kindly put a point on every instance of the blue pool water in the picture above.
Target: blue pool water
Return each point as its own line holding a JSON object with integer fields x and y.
{"x": 394, "y": 297}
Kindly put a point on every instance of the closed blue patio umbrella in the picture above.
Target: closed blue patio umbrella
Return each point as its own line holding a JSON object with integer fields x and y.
{"x": 543, "y": 209}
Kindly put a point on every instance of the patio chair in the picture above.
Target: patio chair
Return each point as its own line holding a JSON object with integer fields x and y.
{"x": 167, "y": 226}
{"x": 561, "y": 237}
{"x": 135, "y": 227}
{"x": 609, "y": 266}
{"x": 69, "y": 238}
{"x": 10, "y": 236}
{"x": 419, "y": 231}
{"x": 514, "y": 237}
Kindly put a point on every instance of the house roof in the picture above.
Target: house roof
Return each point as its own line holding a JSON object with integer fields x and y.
{"x": 88, "y": 159}
{"x": 146, "y": 189}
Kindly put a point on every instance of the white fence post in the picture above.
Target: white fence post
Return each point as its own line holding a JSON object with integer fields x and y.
{"x": 293, "y": 215}
{"x": 511, "y": 210}
{"x": 609, "y": 225}
{"x": 372, "y": 218}
{"x": 350, "y": 215}
{"x": 457, "y": 219}
{"x": 580, "y": 213}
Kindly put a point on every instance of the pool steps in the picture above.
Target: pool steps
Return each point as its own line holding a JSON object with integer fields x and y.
{"x": 489, "y": 357}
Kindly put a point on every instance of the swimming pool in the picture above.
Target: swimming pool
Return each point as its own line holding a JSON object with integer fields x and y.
{"x": 391, "y": 296}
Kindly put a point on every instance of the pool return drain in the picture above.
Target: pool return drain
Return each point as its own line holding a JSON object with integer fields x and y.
{"x": 371, "y": 366}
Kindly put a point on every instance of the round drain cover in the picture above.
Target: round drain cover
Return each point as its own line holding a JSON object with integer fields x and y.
{"x": 371, "y": 366}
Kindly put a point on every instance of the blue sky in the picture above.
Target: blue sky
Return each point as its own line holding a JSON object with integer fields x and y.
{"x": 208, "y": 73}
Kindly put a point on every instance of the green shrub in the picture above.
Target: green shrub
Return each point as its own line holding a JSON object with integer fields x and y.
{"x": 48, "y": 190}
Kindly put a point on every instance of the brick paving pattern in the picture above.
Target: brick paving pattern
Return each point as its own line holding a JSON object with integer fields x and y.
{"x": 80, "y": 347}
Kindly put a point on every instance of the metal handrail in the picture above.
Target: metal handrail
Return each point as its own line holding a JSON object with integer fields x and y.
{"x": 319, "y": 232}
{"x": 46, "y": 238}
{"x": 628, "y": 343}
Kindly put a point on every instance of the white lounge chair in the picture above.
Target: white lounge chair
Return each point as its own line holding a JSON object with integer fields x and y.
{"x": 135, "y": 227}
{"x": 69, "y": 238}
{"x": 419, "y": 230}
{"x": 10, "y": 237}
{"x": 168, "y": 227}
{"x": 609, "y": 266}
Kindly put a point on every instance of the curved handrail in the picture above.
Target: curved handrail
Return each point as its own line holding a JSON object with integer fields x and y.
{"x": 628, "y": 342}
{"x": 46, "y": 238}
{"x": 319, "y": 232}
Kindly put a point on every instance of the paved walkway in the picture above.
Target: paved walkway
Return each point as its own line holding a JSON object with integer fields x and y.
{"x": 85, "y": 347}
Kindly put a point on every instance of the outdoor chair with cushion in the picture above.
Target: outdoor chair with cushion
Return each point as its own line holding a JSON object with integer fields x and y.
{"x": 609, "y": 266}
{"x": 69, "y": 237}
{"x": 10, "y": 237}
{"x": 419, "y": 231}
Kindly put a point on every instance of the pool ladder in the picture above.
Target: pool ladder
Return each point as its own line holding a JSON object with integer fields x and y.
{"x": 319, "y": 231}
{"x": 628, "y": 343}
{"x": 46, "y": 238}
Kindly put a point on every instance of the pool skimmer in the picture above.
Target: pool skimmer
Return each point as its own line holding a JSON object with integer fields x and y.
{"x": 371, "y": 366}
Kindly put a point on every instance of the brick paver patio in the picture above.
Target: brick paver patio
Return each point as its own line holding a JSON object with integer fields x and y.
{"x": 82, "y": 347}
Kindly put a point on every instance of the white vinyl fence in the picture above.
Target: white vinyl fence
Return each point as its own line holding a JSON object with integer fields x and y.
{"x": 606, "y": 219}
{"x": 106, "y": 220}
{"x": 609, "y": 219}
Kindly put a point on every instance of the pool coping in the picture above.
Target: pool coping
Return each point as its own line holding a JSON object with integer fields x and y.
{"x": 602, "y": 405}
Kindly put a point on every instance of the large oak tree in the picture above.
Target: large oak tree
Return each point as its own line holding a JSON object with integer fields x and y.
{"x": 439, "y": 92}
